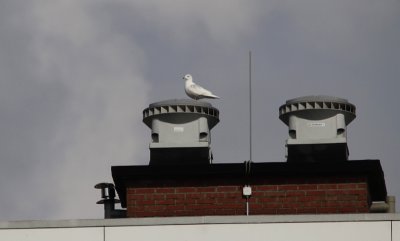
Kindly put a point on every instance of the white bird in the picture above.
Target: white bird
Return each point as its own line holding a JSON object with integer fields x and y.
{"x": 195, "y": 91}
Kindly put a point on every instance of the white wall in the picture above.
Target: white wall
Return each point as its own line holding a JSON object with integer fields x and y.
{"x": 307, "y": 231}
{"x": 396, "y": 230}
{"x": 53, "y": 234}
{"x": 365, "y": 231}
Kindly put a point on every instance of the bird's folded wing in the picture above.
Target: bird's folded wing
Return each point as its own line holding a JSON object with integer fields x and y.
{"x": 198, "y": 89}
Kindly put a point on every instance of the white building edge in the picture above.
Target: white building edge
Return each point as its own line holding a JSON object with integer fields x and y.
{"x": 354, "y": 227}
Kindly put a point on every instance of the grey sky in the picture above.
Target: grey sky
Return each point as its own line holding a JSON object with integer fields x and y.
{"x": 75, "y": 76}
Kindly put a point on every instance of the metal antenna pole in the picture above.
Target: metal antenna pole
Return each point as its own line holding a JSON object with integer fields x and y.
{"x": 247, "y": 188}
{"x": 250, "y": 121}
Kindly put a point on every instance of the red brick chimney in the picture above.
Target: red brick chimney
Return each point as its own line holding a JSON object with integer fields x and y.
{"x": 276, "y": 188}
{"x": 316, "y": 179}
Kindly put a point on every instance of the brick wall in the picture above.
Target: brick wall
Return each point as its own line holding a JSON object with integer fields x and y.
{"x": 314, "y": 195}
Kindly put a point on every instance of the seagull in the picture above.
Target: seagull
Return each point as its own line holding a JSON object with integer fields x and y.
{"x": 195, "y": 91}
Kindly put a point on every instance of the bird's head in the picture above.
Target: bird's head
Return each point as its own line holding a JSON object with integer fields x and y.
{"x": 187, "y": 77}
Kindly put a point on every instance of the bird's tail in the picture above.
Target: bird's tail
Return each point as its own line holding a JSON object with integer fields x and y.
{"x": 212, "y": 96}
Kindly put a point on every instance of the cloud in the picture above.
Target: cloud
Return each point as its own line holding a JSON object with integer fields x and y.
{"x": 339, "y": 26}
{"x": 183, "y": 22}
{"x": 72, "y": 97}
